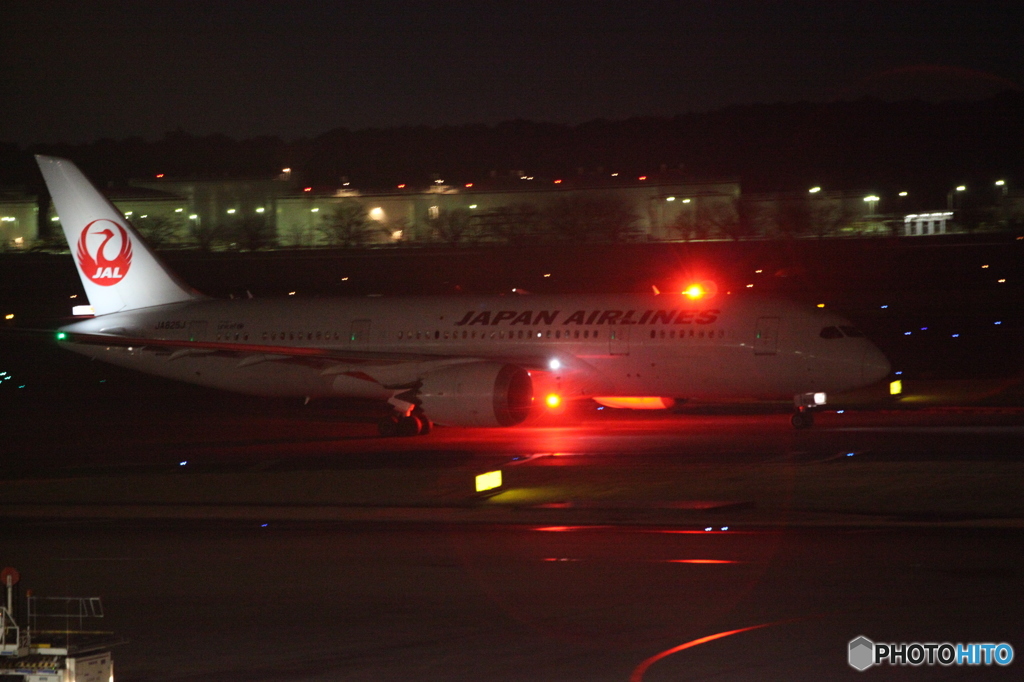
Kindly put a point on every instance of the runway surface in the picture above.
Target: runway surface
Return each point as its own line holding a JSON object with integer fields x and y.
{"x": 227, "y": 602}
{"x": 616, "y": 590}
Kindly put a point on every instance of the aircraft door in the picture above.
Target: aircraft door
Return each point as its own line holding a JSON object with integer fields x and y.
{"x": 618, "y": 340}
{"x": 766, "y": 336}
{"x": 359, "y": 332}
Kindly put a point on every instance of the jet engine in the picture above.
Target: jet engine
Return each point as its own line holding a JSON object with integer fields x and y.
{"x": 477, "y": 394}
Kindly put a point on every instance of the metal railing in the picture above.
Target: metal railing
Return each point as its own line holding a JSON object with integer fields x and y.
{"x": 68, "y": 608}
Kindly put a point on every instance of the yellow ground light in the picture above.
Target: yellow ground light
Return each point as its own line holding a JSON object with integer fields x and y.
{"x": 488, "y": 481}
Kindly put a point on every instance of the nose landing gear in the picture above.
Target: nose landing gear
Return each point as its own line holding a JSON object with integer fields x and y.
{"x": 802, "y": 419}
{"x": 804, "y": 403}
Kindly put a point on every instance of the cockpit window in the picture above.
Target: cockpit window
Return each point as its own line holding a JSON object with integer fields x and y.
{"x": 831, "y": 333}
{"x": 851, "y": 331}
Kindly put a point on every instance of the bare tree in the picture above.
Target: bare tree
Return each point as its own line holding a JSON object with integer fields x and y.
{"x": 827, "y": 217}
{"x": 510, "y": 224}
{"x": 793, "y": 218}
{"x": 159, "y": 231}
{"x": 204, "y": 234}
{"x": 297, "y": 234}
{"x": 254, "y": 232}
{"x": 452, "y": 227}
{"x": 347, "y": 225}
{"x": 693, "y": 224}
{"x": 581, "y": 219}
{"x": 718, "y": 217}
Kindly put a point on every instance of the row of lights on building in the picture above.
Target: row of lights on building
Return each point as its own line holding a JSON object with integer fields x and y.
{"x": 286, "y": 174}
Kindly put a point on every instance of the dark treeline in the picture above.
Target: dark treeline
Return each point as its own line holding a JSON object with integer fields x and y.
{"x": 919, "y": 146}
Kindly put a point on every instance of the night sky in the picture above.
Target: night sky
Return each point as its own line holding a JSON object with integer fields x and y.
{"x": 79, "y": 71}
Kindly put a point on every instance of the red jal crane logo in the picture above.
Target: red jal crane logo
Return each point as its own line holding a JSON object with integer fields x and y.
{"x": 94, "y": 262}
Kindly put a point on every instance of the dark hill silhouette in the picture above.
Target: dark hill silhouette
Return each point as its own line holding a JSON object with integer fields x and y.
{"x": 923, "y": 147}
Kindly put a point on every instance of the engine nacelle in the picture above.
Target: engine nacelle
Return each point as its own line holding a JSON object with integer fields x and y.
{"x": 477, "y": 394}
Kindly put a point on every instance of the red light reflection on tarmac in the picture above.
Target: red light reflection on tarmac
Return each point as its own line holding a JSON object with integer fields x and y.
{"x": 566, "y": 529}
{"x": 671, "y": 531}
{"x": 638, "y": 672}
{"x": 667, "y": 531}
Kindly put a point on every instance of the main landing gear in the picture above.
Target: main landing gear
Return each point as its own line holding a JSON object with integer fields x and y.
{"x": 408, "y": 425}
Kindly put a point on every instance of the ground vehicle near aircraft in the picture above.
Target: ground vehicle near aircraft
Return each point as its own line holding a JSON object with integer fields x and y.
{"x": 459, "y": 360}
{"x": 32, "y": 650}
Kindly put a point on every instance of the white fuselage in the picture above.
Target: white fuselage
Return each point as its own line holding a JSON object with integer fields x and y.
{"x": 723, "y": 348}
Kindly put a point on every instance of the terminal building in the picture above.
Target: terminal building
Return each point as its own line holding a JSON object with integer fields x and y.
{"x": 919, "y": 224}
{"x": 279, "y": 212}
{"x": 19, "y": 219}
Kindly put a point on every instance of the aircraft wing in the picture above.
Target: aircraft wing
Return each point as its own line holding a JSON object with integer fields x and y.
{"x": 251, "y": 353}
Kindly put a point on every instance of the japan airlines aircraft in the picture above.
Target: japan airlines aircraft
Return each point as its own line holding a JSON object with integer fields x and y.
{"x": 458, "y": 360}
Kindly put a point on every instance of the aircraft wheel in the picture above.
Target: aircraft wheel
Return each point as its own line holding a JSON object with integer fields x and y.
{"x": 802, "y": 420}
{"x": 388, "y": 427}
{"x": 426, "y": 426}
{"x": 409, "y": 426}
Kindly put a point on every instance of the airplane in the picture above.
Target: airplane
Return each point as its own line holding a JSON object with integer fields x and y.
{"x": 463, "y": 360}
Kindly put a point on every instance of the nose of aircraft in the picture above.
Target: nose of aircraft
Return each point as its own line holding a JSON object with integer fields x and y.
{"x": 874, "y": 365}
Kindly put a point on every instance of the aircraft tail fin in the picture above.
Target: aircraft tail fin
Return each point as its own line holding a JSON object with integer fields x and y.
{"x": 118, "y": 269}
